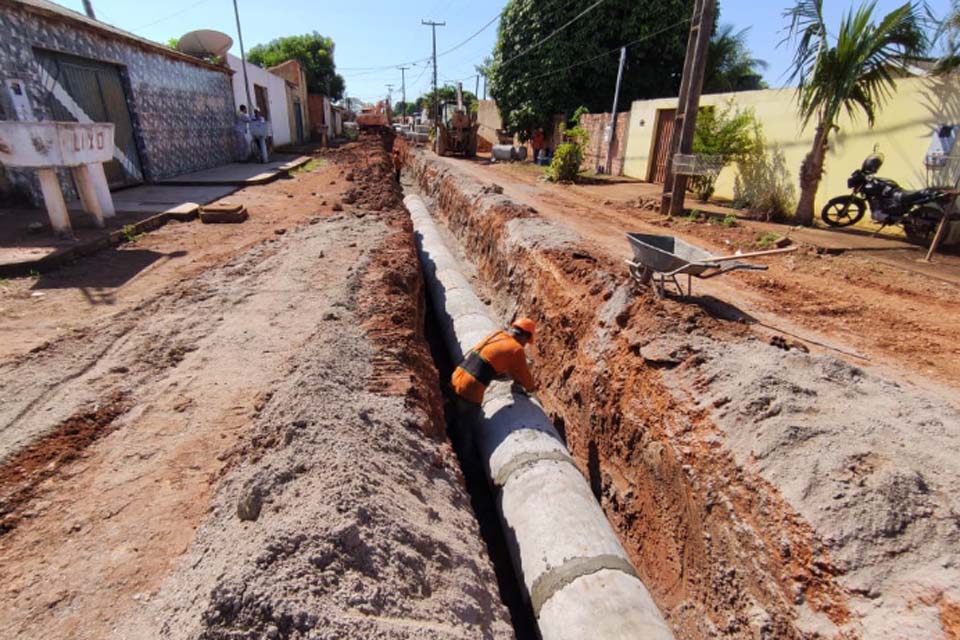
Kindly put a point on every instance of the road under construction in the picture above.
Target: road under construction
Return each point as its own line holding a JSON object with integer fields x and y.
{"x": 254, "y": 436}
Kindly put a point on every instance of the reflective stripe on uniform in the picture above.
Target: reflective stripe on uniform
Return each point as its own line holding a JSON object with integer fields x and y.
{"x": 475, "y": 365}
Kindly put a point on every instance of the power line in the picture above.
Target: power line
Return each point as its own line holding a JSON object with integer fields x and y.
{"x": 614, "y": 50}
{"x": 172, "y": 15}
{"x": 478, "y": 32}
{"x": 567, "y": 24}
{"x": 426, "y": 58}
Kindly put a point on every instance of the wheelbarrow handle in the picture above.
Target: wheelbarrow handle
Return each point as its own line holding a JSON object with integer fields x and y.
{"x": 736, "y": 266}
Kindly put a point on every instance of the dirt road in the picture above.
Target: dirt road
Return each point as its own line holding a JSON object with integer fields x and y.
{"x": 242, "y": 440}
{"x": 850, "y": 303}
{"x": 762, "y": 493}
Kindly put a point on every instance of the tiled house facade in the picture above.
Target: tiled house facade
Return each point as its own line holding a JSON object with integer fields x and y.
{"x": 181, "y": 109}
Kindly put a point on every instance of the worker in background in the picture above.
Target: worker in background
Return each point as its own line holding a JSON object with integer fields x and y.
{"x": 240, "y": 138}
{"x": 499, "y": 354}
{"x": 537, "y": 143}
{"x": 397, "y": 164}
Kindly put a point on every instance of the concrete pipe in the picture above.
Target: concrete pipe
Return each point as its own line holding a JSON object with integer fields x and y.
{"x": 502, "y": 152}
{"x": 576, "y": 574}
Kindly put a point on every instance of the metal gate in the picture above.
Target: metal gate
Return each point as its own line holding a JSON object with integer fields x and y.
{"x": 81, "y": 90}
{"x": 661, "y": 147}
{"x": 298, "y": 118}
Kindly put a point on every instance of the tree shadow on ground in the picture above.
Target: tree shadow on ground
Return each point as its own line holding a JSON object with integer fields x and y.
{"x": 99, "y": 276}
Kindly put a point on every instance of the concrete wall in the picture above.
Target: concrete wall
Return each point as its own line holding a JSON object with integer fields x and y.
{"x": 276, "y": 96}
{"x": 181, "y": 109}
{"x": 488, "y": 117}
{"x": 296, "y": 78}
{"x": 902, "y": 131}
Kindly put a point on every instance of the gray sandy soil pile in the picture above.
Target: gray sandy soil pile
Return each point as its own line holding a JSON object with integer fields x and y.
{"x": 255, "y": 452}
{"x": 870, "y": 462}
{"x": 343, "y": 520}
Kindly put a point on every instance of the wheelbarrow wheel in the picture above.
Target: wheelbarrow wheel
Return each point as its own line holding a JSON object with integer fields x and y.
{"x": 641, "y": 274}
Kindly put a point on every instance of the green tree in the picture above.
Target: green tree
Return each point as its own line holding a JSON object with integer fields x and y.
{"x": 578, "y": 65}
{"x": 730, "y": 65}
{"x": 173, "y": 42}
{"x": 852, "y": 70}
{"x": 314, "y": 52}
{"x": 948, "y": 35}
{"x": 446, "y": 93}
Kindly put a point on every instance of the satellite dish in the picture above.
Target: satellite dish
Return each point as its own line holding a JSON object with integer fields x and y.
{"x": 205, "y": 42}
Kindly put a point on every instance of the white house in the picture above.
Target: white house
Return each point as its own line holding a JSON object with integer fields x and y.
{"x": 268, "y": 93}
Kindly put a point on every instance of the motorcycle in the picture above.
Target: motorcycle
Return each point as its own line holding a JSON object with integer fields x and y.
{"x": 918, "y": 212}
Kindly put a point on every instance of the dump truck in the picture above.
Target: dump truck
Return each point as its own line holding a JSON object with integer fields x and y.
{"x": 457, "y": 129}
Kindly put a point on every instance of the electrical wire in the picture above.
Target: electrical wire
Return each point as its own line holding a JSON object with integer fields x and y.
{"x": 172, "y": 15}
{"x": 478, "y": 32}
{"x": 614, "y": 50}
{"x": 596, "y": 57}
{"x": 430, "y": 57}
{"x": 555, "y": 32}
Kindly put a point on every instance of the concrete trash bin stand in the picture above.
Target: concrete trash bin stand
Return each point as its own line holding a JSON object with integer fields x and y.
{"x": 44, "y": 146}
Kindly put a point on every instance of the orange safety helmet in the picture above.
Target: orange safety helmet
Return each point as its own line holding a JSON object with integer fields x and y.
{"x": 526, "y": 325}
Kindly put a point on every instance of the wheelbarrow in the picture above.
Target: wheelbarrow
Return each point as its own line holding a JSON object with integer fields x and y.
{"x": 663, "y": 258}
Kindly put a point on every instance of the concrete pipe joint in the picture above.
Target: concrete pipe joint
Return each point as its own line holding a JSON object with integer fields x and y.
{"x": 576, "y": 574}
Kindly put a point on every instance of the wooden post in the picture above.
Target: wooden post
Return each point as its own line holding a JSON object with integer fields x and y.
{"x": 941, "y": 233}
{"x": 694, "y": 67}
{"x": 56, "y": 207}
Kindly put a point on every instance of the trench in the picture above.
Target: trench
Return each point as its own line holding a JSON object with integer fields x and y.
{"x": 483, "y": 499}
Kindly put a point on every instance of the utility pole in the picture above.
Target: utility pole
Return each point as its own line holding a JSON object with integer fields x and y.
{"x": 694, "y": 66}
{"x": 88, "y": 9}
{"x": 243, "y": 59}
{"x": 403, "y": 93}
{"x": 390, "y": 95}
{"x": 436, "y": 105}
{"x": 484, "y": 86}
{"x": 608, "y": 134}
{"x": 476, "y": 88}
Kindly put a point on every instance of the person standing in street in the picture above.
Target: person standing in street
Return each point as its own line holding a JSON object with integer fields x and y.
{"x": 537, "y": 143}
{"x": 397, "y": 164}
{"x": 240, "y": 133}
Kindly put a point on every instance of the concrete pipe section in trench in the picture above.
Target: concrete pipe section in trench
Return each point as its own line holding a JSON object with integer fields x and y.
{"x": 575, "y": 574}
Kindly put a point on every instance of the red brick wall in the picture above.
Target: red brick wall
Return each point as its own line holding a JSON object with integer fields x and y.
{"x": 596, "y": 152}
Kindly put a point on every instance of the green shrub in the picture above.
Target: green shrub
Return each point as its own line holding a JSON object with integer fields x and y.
{"x": 565, "y": 165}
{"x": 726, "y": 132}
{"x": 729, "y": 221}
{"x": 763, "y": 185}
{"x": 767, "y": 240}
{"x": 567, "y": 157}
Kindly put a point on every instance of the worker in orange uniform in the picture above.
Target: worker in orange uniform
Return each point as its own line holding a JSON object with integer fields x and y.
{"x": 397, "y": 164}
{"x": 499, "y": 354}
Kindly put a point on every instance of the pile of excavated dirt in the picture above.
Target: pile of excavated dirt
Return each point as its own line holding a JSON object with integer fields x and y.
{"x": 248, "y": 452}
{"x": 870, "y": 462}
{"x": 730, "y": 508}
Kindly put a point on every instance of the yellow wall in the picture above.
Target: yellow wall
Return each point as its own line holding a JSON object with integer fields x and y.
{"x": 902, "y": 131}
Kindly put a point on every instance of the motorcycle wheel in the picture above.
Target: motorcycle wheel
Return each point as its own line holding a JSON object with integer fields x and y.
{"x": 843, "y": 211}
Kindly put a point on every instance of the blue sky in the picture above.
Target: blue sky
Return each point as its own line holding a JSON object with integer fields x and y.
{"x": 372, "y": 37}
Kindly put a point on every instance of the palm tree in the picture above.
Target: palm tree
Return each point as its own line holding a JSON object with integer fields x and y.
{"x": 730, "y": 65}
{"x": 852, "y": 71}
{"x": 948, "y": 33}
